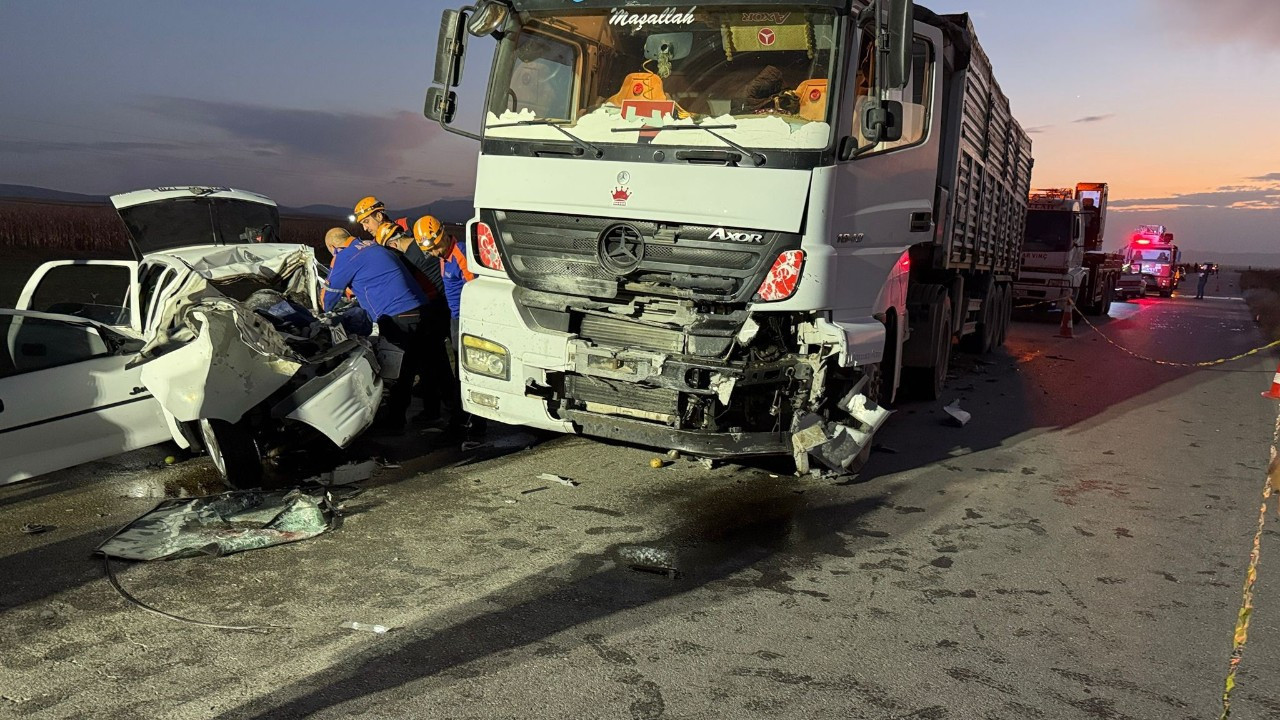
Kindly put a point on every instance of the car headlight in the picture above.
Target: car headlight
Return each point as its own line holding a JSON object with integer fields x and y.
{"x": 483, "y": 357}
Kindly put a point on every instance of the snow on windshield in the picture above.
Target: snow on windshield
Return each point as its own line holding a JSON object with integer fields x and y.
{"x": 764, "y": 131}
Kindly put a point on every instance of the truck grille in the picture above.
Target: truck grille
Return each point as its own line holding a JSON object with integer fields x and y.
{"x": 616, "y": 332}
{"x": 549, "y": 252}
{"x": 617, "y": 393}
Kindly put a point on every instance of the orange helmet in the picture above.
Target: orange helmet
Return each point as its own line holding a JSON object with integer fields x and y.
{"x": 367, "y": 207}
{"x": 385, "y": 231}
{"x": 428, "y": 232}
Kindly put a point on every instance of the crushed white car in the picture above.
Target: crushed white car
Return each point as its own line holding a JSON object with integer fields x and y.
{"x": 225, "y": 328}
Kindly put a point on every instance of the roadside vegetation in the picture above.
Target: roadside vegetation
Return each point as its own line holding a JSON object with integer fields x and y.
{"x": 1261, "y": 289}
{"x": 34, "y": 232}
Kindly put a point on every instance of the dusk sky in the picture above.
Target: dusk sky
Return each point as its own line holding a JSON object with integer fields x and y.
{"x": 1173, "y": 102}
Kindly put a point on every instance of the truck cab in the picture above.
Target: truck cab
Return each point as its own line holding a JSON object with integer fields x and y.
{"x": 730, "y": 229}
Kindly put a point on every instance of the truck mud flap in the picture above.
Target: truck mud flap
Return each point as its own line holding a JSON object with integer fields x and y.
{"x": 714, "y": 445}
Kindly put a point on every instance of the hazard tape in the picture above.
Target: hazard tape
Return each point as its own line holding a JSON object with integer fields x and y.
{"x": 1170, "y": 363}
{"x": 1241, "y": 635}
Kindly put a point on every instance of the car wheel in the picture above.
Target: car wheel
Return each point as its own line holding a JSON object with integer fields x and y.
{"x": 234, "y": 453}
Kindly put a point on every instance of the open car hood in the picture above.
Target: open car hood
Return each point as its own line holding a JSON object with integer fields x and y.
{"x": 162, "y": 219}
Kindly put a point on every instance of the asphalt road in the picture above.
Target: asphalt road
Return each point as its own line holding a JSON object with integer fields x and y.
{"x": 1075, "y": 551}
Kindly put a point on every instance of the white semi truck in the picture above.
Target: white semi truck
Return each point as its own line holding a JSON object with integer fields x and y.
{"x": 1062, "y": 258}
{"x": 731, "y": 229}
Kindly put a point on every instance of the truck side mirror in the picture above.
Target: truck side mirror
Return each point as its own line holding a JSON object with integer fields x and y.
{"x": 441, "y": 105}
{"x": 450, "y": 49}
{"x": 898, "y": 18}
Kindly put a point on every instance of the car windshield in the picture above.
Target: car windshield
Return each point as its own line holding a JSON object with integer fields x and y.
{"x": 1048, "y": 231}
{"x": 757, "y": 75}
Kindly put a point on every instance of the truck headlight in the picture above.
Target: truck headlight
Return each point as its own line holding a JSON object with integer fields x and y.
{"x": 483, "y": 357}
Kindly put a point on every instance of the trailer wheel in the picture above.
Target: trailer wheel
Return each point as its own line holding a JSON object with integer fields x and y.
{"x": 987, "y": 332}
{"x": 1006, "y": 313}
{"x": 1107, "y": 296}
{"x": 233, "y": 452}
{"x": 926, "y": 382}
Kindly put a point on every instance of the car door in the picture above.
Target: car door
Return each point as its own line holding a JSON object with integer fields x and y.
{"x": 105, "y": 291}
{"x": 67, "y": 396}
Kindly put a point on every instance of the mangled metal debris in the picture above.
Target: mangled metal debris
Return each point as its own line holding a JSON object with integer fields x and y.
{"x": 223, "y": 524}
{"x": 959, "y": 417}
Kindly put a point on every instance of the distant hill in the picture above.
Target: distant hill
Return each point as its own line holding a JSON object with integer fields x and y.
{"x": 27, "y": 192}
{"x": 450, "y": 210}
{"x": 1234, "y": 260}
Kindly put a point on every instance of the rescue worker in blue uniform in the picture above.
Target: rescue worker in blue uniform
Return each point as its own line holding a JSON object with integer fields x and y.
{"x": 386, "y": 289}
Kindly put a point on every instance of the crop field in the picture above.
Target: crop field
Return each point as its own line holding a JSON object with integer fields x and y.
{"x": 35, "y": 232}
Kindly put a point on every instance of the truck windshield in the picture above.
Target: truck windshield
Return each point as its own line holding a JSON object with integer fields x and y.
{"x": 1152, "y": 256}
{"x": 758, "y": 75}
{"x": 1048, "y": 231}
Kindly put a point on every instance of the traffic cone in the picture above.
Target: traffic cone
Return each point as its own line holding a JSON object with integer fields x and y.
{"x": 1065, "y": 330}
{"x": 1274, "y": 392}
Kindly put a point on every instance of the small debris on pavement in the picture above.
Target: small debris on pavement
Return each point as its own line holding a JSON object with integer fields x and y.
{"x": 656, "y": 463}
{"x": 169, "y": 459}
{"x": 37, "y": 528}
{"x": 534, "y": 490}
{"x": 348, "y": 474}
{"x": 709, "y": 463}
{"x": 649, "y": 560}
{"x": 558, "y": 479}
{"x": 958, "y": 416}
{"x": 353, "y": 625}
{"x": 673, "y": 454}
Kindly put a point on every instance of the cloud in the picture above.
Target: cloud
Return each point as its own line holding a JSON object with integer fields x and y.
{"x": 1269, "y": 177}
{"x": 1253, "y": 198}
{"x": 1255, "y": 23}
{"x": 40, "y": 147}
{"x": 1093, "y": 118}
{"x": 1037, "y": 129}
{"x": 369, "y": 143}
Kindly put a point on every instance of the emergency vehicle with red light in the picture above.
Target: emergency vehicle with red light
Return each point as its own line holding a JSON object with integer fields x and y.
{"x": 731, "y": 229}
{"x": 1150, "y": 262}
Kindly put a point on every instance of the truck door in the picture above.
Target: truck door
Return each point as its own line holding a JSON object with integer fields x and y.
{"x": 105, "y": 291}
{"x": 883, "y": 198}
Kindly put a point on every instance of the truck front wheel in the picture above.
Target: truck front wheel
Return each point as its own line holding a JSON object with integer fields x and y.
{"x": 926, "y": 381}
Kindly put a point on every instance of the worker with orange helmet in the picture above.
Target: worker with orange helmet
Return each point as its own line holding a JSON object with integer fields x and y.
{"x": 431, "y": 238}
{"x": 371, "y": 213}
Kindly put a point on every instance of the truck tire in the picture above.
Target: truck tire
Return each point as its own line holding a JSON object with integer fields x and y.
{"x": 233, "y": 452}
{"x": 1097, "y": 306}
{"x": 987, "y": 331}
{"x": 1108, "y": 294}
{"x": 1166, "y": 293}
{"x": 1006, "y": 312}
{"x": 926, "y": 382}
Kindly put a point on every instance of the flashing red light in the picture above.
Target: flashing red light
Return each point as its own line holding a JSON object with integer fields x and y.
{"x": 1143, "y": 241}
{"x": 783, "y": 277}
{"x": 487, "y": 248}
{"x": 905, "y": 263}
